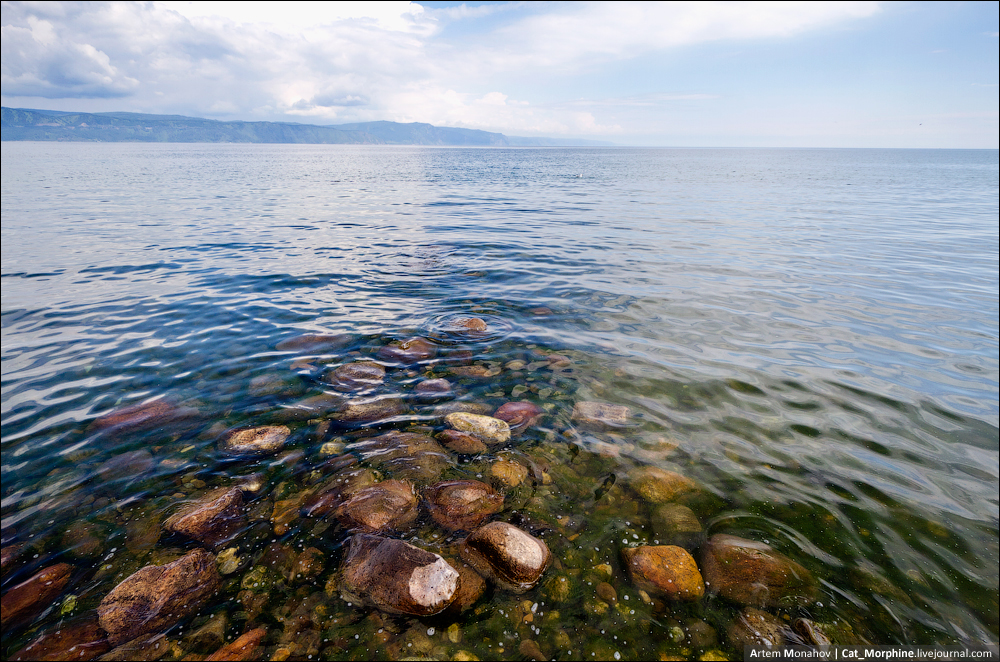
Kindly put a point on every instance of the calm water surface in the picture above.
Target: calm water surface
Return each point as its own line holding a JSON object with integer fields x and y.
{"x": 811, "y": 335}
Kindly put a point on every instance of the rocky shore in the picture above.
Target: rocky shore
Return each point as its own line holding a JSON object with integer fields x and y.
{"x": 369, "y": 500}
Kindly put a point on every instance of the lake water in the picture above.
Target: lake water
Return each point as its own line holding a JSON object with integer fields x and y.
{"x": 809, "y": 335}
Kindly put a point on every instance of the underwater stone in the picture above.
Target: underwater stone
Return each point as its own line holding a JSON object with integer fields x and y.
{"x": 442, "y": 411}
{"x": 676, "y": 524}
{"x": 214, "y": 520}
{"x": 338, "y": 489}
{"x": 391, "y": 504}
{"x": 433, "y": 388}
{"x": 413, "y": 350}
{"x": 657, "y": 485}
{"x": 489, "y": 429}
{"x": 228, "y": 561}
{"x": 34, "y": 595}
{"x": 155, "y": 597}
{"x": 247, "y": 646}
{"x": 83, "y": 640}
{"x": 361, "y": 411}
{"x": 665, "y": 570}
{"x": 410, "y": 455}
{"x": 510, "y": 557}
{"x": 462, "y": 504}
{"x": 753, "y": 627}
{"x": 600, "y": 415}
{"x": 397, "y": 577}
{"x": 358, "y": 376}
{"x": 474, "y": 324}
{"x": 752, "y": 573}
{"x": 519, "y": 415}
{"x": 141, "y": 416}
{"x": 84, "y": 540}
{"x": 264, "y": 440}
{"x": 462, "y": 443}
{"x": 126, "y": 465}
{"x": 471, "y": 587}
{"x": 508, "y": 472}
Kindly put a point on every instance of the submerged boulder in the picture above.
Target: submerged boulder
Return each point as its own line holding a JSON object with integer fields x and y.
{"x": 657, "y": 485}
{"x": 142, "y": 416}
{"x": 664, "y": 570}
{"x": 413, "y": 350}
{"x": 519, "y": 415}
{"x": 462, "y": 504}
{"x": 314, "y": 343}
{"x": 462, "y": 443}
{"x": 753, "y": 573}
{"x": 397, "y": 577}
{"x": 391, "y": 504}
{"x": 362, "y": 411}
{"x": 82, "y": 640}
{"x": 265, "y": 440}
{"x": 408, "y": 455}
{"x": 600, "y": 415}
{"x": 358, "y": 376}
{"x": 214, "y": 519}
{"x": 32, "y": 596}
{"x": 157, "y": 596}
{"x": 506, "y": 555}
{"x": 490, "y": 430}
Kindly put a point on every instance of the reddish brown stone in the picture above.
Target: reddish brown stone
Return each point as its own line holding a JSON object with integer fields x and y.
{"x": 157, "y": 596}
{"x": 265, "y": 440}
{"x": 397, "y": 577}
{"x": 433, "y": 388}
{"x": 471, "y": 587}
{"x": 752, "y": 573}
{"x": 413, "y": 350}
{"x": 391, "y": 504}
{"x": 462, "y": 504}
{"x": 753, "y": 627}
{"x": 407, "y": 455}
{"x": 34, "y": 595}
{"x": 214, "y": 520}
{"x": 83, "y": 640}
{"x": 469, "y": 324}
{"x": 462, "y": 443}
{"x": 8, "y": 555}
{"x": 369, "y": 411}
{"x": 141, "y": 416}
{"x": 248, "y": 646}
{"x": 337, "y": 490}
{"x": 664, "y": 570}
{"x": 519, "y": 415}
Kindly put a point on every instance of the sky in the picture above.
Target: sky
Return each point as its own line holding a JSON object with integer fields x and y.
{"x": 763, "y": 74}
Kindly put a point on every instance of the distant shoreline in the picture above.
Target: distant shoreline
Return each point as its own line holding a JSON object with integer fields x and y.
{"x": 26, "y": 124}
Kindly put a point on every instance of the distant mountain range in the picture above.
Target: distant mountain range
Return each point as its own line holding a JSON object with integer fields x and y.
{"x": 30, "y": 124}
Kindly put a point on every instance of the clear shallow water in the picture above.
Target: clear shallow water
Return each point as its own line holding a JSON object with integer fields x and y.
{"x": 816, "y": 331}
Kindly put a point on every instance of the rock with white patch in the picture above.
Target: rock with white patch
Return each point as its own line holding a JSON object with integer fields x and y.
{"x": 397, "y": 577}
{"x": 506, "y": 555}
{"x": 489, "y": 429}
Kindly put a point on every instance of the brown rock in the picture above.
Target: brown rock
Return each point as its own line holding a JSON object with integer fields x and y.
{"x": 369, "y": 411}
{"x": 83, "y": 640}
{"x": 442, "y": 411}
{"x": 214, "y": 520}
{"x": 272, "y": 384}
{"x": 462, "y": 443}
{"x": 471, "y": 587}
{"x": 753, "y": 627}
{"x": 10, "y": 554}
{"x": 126, "y": 465}
{"x": 473, "y": 371}
{"x": 155, "y": 597}
{"x": 677, "y": 525}
{"x": 433, "y": 388}
{"x": 396, "y": 577}
{"x": 600, "y": 415}
{"x": 84, "y": 540}
{"x": 308, "y": 565}
{"x": 314, "y": 343}
{"x": 657, "y": 485}
{"x": 285, "y": 512}
{"x": 358, "y": 376}
{"x": 469, "y": 324}
{"x": 143, "y": 649}
{"x": 338, "y": 489}
{"x": 265, "y": 440}
{"x": 508, "y": 473}
{"x": 752, "y": 573}
{"x": 529, "y": 649}
{"x": 462, "y": 504}
{"x": 490, "y": 430}
{"x": 391, "y": 504}
{"x": 510, "y": 557}
{"x": 34, "y": 595}
{"x": 519, "y": 415}
{"x": 665, "y": 570}
{"x": 248, "y": 646}
{"x": 141, "y": 416}
{"x": 407, "y": 455}
{"x": 409, "y": 351}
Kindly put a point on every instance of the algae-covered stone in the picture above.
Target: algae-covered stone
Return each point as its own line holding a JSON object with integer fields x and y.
{"x": 753, "y": 573}
{"x": 265, "y": 440}
{"x": 490, "y": 430}
{"x": 214, "y": 520}
{"x": 657, "y": 485}
{"x": 397, "y": 577}
{"x": 677, "y": 524}
{"x": 600, "y": 415}
{"x": 665, "y": 570}
{"x": 391, "y": 504}
{"x": 156, "y": 597}
{"x": 511, "y": 558}
{"x": 462, "y": 504}
{"x": 508, "y": 473}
